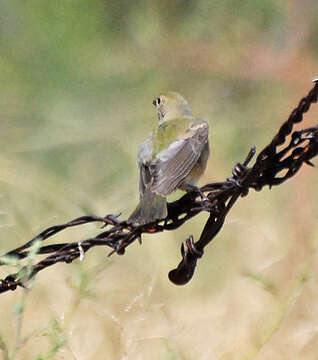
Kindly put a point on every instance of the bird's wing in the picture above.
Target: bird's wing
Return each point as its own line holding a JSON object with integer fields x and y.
{"x": 144, "y": 159}
{"x": 144, "y": 178}
{"x": 172, "y": 165}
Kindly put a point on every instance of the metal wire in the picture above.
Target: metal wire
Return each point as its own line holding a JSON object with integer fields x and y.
{"x": 272, "y": 167}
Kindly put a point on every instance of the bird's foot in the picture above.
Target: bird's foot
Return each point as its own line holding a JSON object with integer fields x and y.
{"x": 194, "y": 189}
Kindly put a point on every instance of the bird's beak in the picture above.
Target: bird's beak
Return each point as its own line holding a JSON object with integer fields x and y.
{"x": 154, "y": 102}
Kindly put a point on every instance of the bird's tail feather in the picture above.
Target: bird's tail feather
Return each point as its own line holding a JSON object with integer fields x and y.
{"x": 151, "y": 207}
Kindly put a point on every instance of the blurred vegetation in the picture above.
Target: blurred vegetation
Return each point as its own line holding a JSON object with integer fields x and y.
{"x": 77, "y": 79}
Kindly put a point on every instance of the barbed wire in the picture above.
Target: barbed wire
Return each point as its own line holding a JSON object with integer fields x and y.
{"x": 272, "y": 167}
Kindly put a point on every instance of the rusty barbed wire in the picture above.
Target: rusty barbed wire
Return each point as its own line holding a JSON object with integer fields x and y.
{"x": 272, "y": 167}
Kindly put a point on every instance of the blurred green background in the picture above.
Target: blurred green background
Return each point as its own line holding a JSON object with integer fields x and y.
{"x": 77, "y": 79}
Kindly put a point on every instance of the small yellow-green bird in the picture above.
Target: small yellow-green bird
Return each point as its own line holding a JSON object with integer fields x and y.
{"x": 173, "y": 157}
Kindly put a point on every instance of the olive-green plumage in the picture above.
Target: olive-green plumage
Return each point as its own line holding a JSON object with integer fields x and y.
{"x": 173, "y": 157}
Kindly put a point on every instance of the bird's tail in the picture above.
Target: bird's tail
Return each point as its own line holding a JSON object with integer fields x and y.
{"x": 151, "y": 207}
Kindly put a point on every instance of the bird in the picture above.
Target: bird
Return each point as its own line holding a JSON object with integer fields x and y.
{"x": 173, "y": 157}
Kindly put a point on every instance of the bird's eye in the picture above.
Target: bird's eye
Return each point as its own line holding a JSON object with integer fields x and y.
{"x": 157, "y": 101}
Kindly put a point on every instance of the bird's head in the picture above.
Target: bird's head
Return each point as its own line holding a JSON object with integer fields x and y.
{"x": 171, "y": 106}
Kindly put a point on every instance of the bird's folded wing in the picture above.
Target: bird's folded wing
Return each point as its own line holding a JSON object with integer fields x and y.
{"x": 144, "y": 178}
{"x": 144, "y": 159}
{"x": 172, "y": 165}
